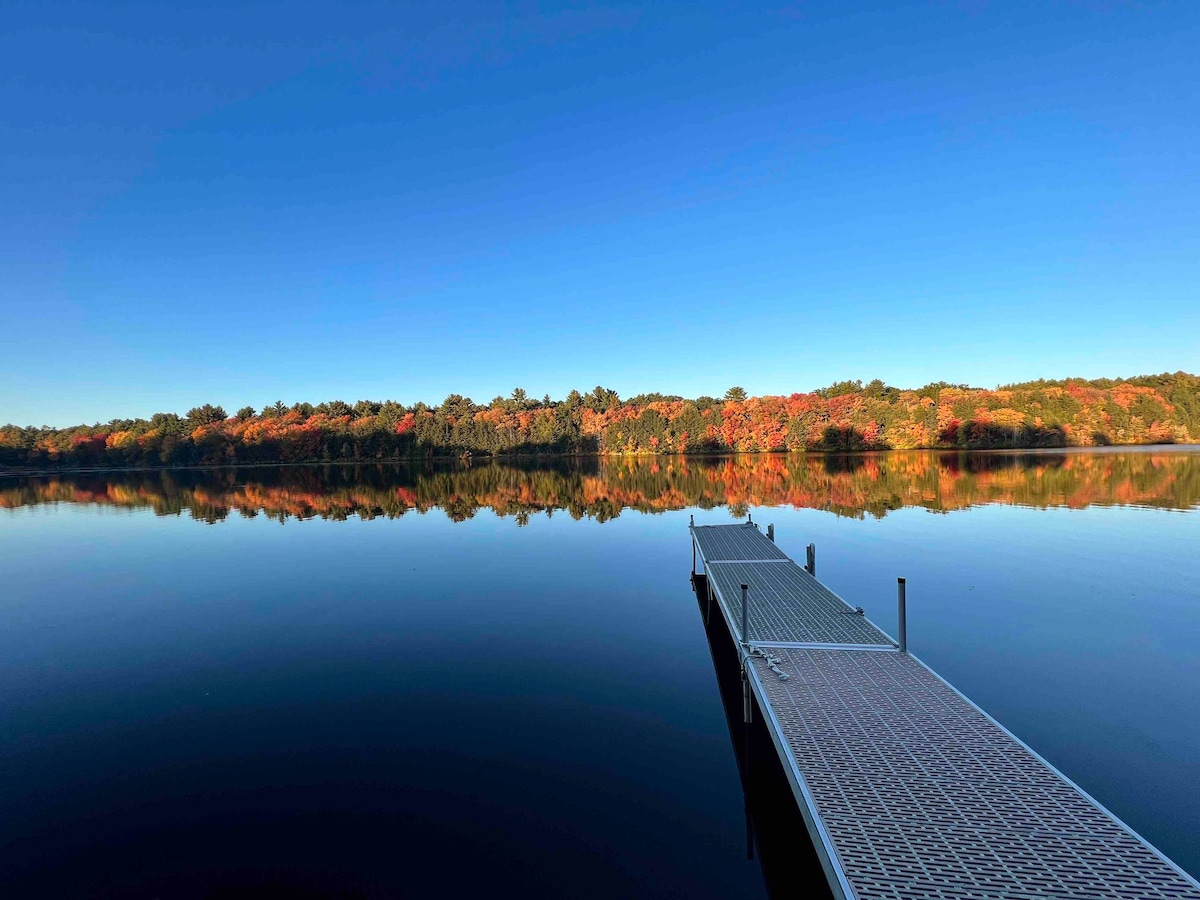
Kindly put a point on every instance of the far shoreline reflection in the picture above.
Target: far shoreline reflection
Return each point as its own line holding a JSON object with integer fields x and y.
{"x": 855, "y": 485}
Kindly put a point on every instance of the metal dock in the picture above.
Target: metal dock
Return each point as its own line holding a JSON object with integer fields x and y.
{"x": 909, "y": 790}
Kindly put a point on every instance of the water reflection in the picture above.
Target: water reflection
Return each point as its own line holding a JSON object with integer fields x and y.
{"x": 858, "y": 485}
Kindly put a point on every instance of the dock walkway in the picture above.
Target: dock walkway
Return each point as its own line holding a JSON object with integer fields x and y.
{"x": 909, "y": 790}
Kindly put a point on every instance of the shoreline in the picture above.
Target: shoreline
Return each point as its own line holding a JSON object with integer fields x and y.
{"x": 506, "y": 457}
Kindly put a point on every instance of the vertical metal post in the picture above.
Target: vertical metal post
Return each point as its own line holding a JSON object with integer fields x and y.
{"x": 693, "y": 559}
{"x": 811, "y": 565}
{"x": 746, "y": 615}
{"x": 771, "y": 532}
{"x": 745, "y": 653}
{"x": 902, "y": 612}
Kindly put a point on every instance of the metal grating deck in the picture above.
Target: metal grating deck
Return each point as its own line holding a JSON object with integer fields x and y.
{"x": 787, "y": 604}
{"x": 926, "y": 798}
{"x": 734, "y": 542}
{"x": 910, "y": 791}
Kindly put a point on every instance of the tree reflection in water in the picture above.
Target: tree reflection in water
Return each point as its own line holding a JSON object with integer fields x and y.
{"x": 857, "y": 485}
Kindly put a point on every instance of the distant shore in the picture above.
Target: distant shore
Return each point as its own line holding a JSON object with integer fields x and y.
{"x": 845, "y": 417}
{"x": 501, "y": 458}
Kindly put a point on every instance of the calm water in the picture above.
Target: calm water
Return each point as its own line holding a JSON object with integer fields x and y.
{"x": 386, "y": 681}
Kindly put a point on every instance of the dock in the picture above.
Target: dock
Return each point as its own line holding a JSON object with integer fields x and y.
{"x": 908, "y": 790}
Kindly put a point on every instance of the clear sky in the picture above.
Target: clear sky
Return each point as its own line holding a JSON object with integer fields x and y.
{"x": 240, "y": 203}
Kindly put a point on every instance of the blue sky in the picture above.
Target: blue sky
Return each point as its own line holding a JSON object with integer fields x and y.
{"x": 241, "y": 203}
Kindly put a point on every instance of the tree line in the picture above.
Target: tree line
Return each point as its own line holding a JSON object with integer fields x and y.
{"x": 845, "y": 416}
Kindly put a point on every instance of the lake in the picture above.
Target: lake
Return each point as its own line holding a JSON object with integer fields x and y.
{"x": 380, "y": 681}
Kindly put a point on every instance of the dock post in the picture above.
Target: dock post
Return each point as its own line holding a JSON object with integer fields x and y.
{"x": 693, "y": 559}
{"x": 746, "y": 616}
{"x": 745, "y": 653}
{"x": 902, "y": 612}
{"x": 771, "y": 532}
{"x": 811, "y": 565}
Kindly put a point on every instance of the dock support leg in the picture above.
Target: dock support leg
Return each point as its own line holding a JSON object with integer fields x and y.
{"x": 811, "y": 565}
{"x": 692, "y": 523}
{"x": 745, "y": 648}
{"x": 771, "y": 532}
{"x": 902, "y": 614}
{"x": 746, "y": 617}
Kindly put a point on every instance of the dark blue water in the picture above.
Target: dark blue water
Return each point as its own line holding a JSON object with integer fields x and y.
{"x": 370, "y": 706}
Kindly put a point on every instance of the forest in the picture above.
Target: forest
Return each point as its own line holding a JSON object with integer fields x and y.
{"x": 846, "y": 416}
